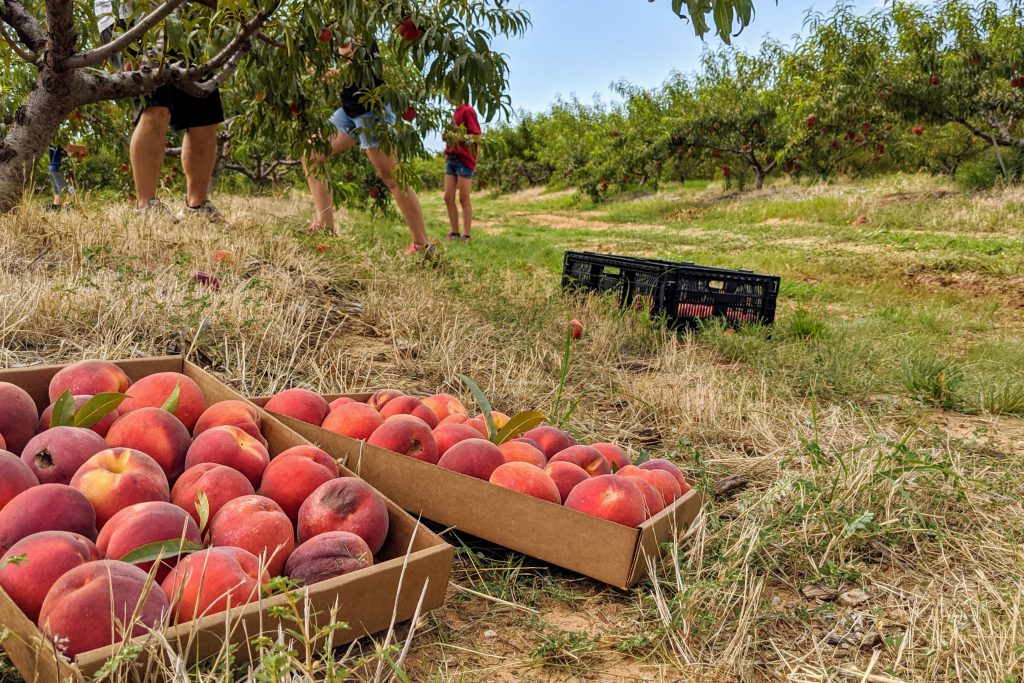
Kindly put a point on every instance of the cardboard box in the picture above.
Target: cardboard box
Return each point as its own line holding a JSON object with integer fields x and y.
{"x": 413, "y": 565}
{"x": 612, "y": 553}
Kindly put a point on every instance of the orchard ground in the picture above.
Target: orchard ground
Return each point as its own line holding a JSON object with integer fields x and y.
{"x": 861, "y": 462}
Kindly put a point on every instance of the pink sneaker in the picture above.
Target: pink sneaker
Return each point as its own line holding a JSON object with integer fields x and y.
{"x": 415, "y": 248}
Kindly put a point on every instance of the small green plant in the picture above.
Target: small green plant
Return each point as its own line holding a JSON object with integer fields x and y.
{"x": 933, "y": 380}
{"x": 565, "y": 649}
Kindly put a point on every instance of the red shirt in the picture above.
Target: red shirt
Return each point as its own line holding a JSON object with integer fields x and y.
{"x": 465, "y": 116}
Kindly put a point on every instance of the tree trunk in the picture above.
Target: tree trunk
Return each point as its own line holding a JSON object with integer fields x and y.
{"x": 759, "y": 183}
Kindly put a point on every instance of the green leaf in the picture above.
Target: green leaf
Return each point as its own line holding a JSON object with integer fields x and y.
{"x": 203, "y": 509}
{"x": 161, "y": 550}
{"x": 96, "y": 408}
{"x": 63, "y": 410}
{"x": 171, "y": 404}
{"x": 15, "y": 560}
{"x": 521, "y": 422}
{"x": 485, "y": 406}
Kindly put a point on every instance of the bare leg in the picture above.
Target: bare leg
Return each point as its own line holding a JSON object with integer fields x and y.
{"x": 147, "y": 151}
{"x": 449, "y": 203}
{"x": 323, "y": 202}
{"x": 465, "y": 188}
{"x": 198, "y": 157}
{"x": 408, "y": 202}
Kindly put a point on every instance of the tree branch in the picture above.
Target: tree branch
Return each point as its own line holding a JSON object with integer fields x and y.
{"x": 60, "y": 24}
{"x": 263, "y": 37}
{"x": 14, "y": 46}
{"x": 241, "y": 42}
{"x": 101, "y": 54}
{"x": 24, "y": 24}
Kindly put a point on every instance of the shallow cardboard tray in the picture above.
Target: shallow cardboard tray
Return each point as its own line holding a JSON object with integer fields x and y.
{"x": 612, "y": 553}
{"x": 413, "y": 565}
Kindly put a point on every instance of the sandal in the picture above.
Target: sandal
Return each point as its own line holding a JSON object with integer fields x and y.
{"x": 452, "y": 236}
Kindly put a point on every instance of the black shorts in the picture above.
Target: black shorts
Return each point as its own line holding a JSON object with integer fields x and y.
{"x": 186, "y": 110}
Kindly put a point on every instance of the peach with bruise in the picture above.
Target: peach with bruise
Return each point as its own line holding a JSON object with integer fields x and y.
{"x": 473, "y": 457}
{"x": 300, "y": 404}
{"x": 231, "y": 413}
{"x": 153, "y": 391}
{"x": 18, "y": 417}
{"x": 211, "y": 581}
{"x": 47, "y": 507}
{"x": 528, "y": 479}
{"x": 15, "y": 477}
{"x": 586, "y": 457}
{"x": 661, "y": 480}
{"x": 48, "y": 555}
{"x": 88, "y": 377}
{"x": 520, "y": 451}
{"x": 448, "y": 435}
{"x": 615, "y": 455}
{"x": 380, "y": 398}
{"x": 565, "y": 475}
{"x": 408, "y": 405}
{"x": 443, "y": 405}
{"x": 326, "y": 556}
{"x": 406, "y": 435}
{"x": 295, "y": 473}
{"x": 256, "y": 524}
{"x": 156, "y": 433}
{"x": 111, "y": 593}
{"x": 610, "y": 497}
{"x": 145, "y": 523}
{"x": 219, "y": 483}
{"x": 55, "y": 455}
{"x": 345, "y": 504}
{"x": 671, "y": 468}
{"x": 550, "y": 439}
{"x": 118, "y": 478}
{"x": 232, "y": 447}
{"x": 354, "y": 420}
{"x": 101, "y": 427}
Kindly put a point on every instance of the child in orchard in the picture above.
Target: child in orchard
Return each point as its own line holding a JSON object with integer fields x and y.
{"x": 460, "y": 151}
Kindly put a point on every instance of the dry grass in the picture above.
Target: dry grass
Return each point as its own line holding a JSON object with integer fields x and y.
{"x": 881, "y": 496}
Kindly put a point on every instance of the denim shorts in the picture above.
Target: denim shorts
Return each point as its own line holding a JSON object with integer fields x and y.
{"x": 457, "y": 167}
{"x": 361, "y": 126}
{"x": 60, "y": 186}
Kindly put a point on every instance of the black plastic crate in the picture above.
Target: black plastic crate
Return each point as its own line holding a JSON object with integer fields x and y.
{"x": 637, "y": 285}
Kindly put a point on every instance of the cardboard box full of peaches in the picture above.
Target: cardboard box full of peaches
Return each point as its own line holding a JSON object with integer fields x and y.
{"x": 513, "y": 481}
{"x": 144, "y": 496}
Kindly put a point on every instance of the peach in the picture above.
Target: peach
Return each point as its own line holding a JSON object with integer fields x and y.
{"x": 153, "y": 391}
{"x": 101, "y": 427}
{"x": 661, "y": 480}
{"x": 56, "y": 454}
{"x": 407, "y": 405}
{"x": 211, "y": 581}
{"x": 294, "y": 474}
{"x": 615, "y": 455}
{"x": 340, "y": 401}
{"x": 671, "y": 468}
{"x": 300, "y": 404}
{"x": 454, "y": 419}
{"x": 550, "y": 439}
{"x": 118, "y": 477}
{"x": 156, "y": 433}
{"x": 473, "y": 457}
{"x": 233, "y": 413}
{"x": 565, "y": 475}
{"x": 88, "y": 377}
{"x": 654, "y": 502}
{"x": 256, "y": 524}
{"x": 47, "y": 507}
{"x": 18, "y": 417}
{"x": 345, "y": 504}
{"x": 450, "y": 434}
{"x": 145, "y": 523}
{"x": 88, "y": 606}
{"x": 3, "y": 444}
{"x": 15, "y": 477}
{"x": 533, "y": 443}
{"x": 443, "y": 405}
{"x": 499, "y": 419}
{"x": 528, "y": 479}
{"x": 48, "y": 556}
{"x": 586, "y": 457}
{"x": 380, "y": 398}
{"x": 406, "y": 435}
{"x": 610, "y": 497}
{"x": 520, "y": 451}
{"x": 479, "y": 424}
{"x": 354, "y": 420}
{"x": 232, "y": 447}
{"x": 326, "y": 556}
{"x": 220, "y": 483}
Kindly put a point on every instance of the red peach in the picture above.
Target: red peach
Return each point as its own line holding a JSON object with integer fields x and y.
{"x": 407, "y": 405}
{"x": 256, "y": 524}
{"x": 354, "y": 420}
{"x": 326, "y": 556}
{"x": 233, "y": 413}
{"x": 101, "y": 427}
{"x": 447, "y": 435}
{"x": 380, "y": 398}
{"x": 15, "y": 477}
{"x": 500, "y": 420}
{"x": 533, "y": 443}
{"x": 345, "y": 504}
{"x": 3, "y": 444}
{"x": 294, "y": 474}
{"x": 117, "y": 478}
{"x": 479, "y": 424}
{"x": 47, "y": 507}
{"x": 220, "y": 483}
{"x": 661, "y": 480}
{"x": 528, "y": 479}
{"x": 300, "y": 404}
{"x": 615, "y": 455}
{"x": 155, "y": 432}
{"x": 211, "y": 581}
{"x": 88, "y": 377}
{"x": 565, "y": 475}
{"x": 56, "y": 454}
{"x": 153, "y": 391}
{"x": 85, "y": 608}
{"x": 340, "y": 401}
{"x": 407, "y": 435}
{"x": 654, "y": 502}
{"x": 48, "y": 556}
{"x": 550, "y": 439}
{"x": 144, "y": 523}
{"x": 520, "y": 451}
{"x": 473, "y": 457}
{"x": 610, "y": 497}
{"x": 671, "y": 468}
{"x": 454, "y": 419}
{"x": 18, "y": 416}
{"x": 586, "y": 457}
{"x": 443, "y": 405}
{"x": 232, "y": 447}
